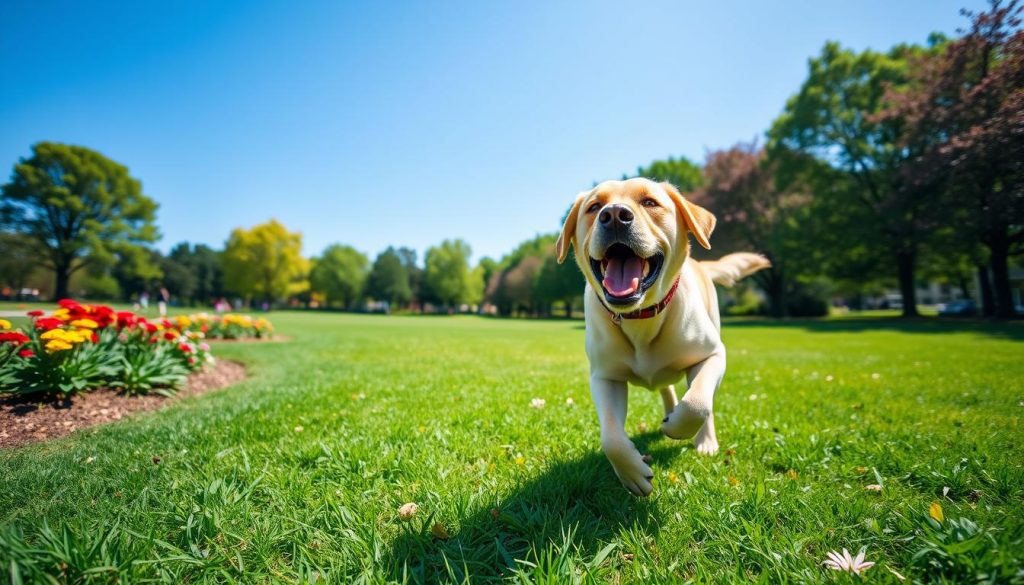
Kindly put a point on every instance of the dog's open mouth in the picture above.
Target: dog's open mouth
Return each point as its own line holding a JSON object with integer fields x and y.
{"x": 624, "y": 275}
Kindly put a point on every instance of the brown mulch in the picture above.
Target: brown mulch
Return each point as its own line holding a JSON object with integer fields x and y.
{"x": 27, "y": 420}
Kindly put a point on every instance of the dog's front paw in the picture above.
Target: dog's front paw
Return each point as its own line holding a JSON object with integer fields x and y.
{"x": 630, "y": 466}
{"x": 685, "y": 420}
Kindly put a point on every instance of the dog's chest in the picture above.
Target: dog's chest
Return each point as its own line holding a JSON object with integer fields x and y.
{"x": 654, "y": 369}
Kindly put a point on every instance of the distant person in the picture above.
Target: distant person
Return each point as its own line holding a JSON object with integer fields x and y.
{"x": 165, "y": 297}
{"x": 144, "y": 300}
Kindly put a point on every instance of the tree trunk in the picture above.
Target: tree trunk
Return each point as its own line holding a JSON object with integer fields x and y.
{"x": 63, "y": 277}
{"x": 999, "y": 249}
{"x": 777, "y": 294}
{"x": 568, "y": 308}
{"x": 905, "y": 264}
{"x": 988, "y": 307}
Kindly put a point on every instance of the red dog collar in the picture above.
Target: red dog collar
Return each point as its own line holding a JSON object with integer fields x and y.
{"x": 646, "y": 312}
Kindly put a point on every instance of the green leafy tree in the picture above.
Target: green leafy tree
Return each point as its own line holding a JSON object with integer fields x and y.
{"x": 558, "y": 282}
{"x": 17, "y": 262}
{"x": 681, "y": 172}
{"x": 448, "y": 276}
{"x": 137, "y": 270}
{"x": 179, "y": 278}
{"x": 409, "y": 260}
{"x": 265, "y": 262}
{"x": 340, "y": 275}
{"x": 389, "y": 279}
{"x": 205, "y": 265}
{"x": 77, "y": 207}
{"x": 834, "y": 117}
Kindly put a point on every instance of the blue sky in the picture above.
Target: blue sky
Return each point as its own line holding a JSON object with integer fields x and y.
{"x": 407, "y": 123}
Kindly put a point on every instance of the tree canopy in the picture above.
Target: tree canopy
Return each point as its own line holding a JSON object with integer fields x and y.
{"x": 340, "y": 274}
{"x": 265, "y": 262}
{"x": 448, "y": 275}
{"x": 77, "y": 207}
{"x": 389, "y": 279}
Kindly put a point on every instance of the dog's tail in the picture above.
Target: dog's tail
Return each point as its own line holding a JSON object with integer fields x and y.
{"x": 728, "y": 269}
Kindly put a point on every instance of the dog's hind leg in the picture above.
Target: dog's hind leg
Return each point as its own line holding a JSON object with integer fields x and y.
{"x": 668, "y": 398}
{"x": 693, "y": 413}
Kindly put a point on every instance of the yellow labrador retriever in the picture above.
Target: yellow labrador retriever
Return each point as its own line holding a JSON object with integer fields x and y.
{"x": 651, "y": 311}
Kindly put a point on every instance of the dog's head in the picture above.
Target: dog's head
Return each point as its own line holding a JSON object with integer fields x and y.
{"x": 631, "y": 239}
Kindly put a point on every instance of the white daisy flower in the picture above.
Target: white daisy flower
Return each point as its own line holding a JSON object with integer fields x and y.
{"x": 844, "y": 562}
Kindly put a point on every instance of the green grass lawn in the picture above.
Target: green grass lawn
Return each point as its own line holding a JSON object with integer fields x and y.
{"x": 297, "y": 473}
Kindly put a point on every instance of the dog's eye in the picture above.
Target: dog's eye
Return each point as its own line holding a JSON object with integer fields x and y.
{"x": 649, "y": 203}
{"x": 593, "y": 207}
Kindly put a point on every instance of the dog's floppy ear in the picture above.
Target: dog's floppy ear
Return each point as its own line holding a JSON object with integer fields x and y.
{"x": 568, "y": 235}
{"x": 699, "y": 221}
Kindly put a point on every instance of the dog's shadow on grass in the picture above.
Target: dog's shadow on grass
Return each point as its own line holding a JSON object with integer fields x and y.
{"x": 574, "y": 507}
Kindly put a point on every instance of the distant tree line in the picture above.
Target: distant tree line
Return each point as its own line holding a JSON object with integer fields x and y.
{"x": 883, "y": 169}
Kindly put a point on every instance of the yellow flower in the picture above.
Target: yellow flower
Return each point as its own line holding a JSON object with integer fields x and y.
{"x": 5, "y": 324}
{"x": 62, "y": 314}
{"x": 57, "y": 345}
{"x": 54, "y": 334}
{"x": 85, "y": 323}
{"x": 83, "y": 335}
{"x": 184, "y": 321}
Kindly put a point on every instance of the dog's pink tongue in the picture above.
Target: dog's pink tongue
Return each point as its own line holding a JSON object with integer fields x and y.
{"x": 622, "y": 277}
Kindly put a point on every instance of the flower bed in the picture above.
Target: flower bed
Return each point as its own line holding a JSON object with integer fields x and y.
{"x": 81, "y": 347}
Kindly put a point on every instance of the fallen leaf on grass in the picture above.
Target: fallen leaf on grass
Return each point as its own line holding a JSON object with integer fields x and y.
{"x": 935, "y": 511}
{"x": 439, "y": 531}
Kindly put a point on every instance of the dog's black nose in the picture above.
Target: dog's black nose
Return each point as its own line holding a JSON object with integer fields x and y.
{"x": 615, "y": 214}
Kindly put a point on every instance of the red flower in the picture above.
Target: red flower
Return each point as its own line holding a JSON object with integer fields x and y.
{"x": 95, "y": 338}
{"x": 150, "y": 328}
{"x": 15, "y": 337}
{"x": 185, "y": 348}
{"x": 170, "y": 335}
{"x": 48, "y": 323}
{"x": 103, "y": 315}
{"x": 126, "y": 319}
{"x": 70, "y": 305}
{"x": 204, "y": 328}
{"x": 26, "y": 353}
{"x": 36, "y": 313}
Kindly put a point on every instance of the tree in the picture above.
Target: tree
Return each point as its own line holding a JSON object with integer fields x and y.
{"x": 340, "y": 274}
{"x": 962, "y": 116}
{"x": 681, "y": 172}
{"x": 756, "y": 213}
{"x": 389, "y": 279}
{"x": 179, "y": 277}
{"x": 409, "y": 261}
{"x": 833, "y": 117}
{"x": 558, "y": 282}
{"x": 17, "y": 262}
{"x": 265, "y": 262}
{"x": 448, "y": 277}
{"x": 137, "y": 270}
{"x": 76, "y": 206}
{"x": 205, "y": 266}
